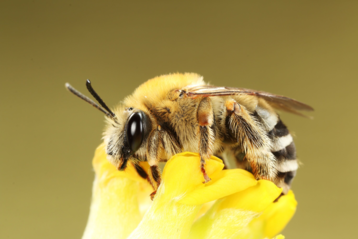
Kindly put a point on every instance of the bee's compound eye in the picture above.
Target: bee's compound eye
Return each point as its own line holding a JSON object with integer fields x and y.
{"x": 135, "y": 131}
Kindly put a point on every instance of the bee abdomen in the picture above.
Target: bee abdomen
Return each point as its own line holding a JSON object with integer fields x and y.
{"x": 289, "y": 177}
{"x": 279, "y": 130}
{"x": 284, "y": 150}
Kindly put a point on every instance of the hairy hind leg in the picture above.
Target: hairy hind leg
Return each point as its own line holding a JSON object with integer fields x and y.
{"x": 252, "y": 138}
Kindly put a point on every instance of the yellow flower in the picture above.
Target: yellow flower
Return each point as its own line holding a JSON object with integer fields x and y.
{"x": 232, "y": 205}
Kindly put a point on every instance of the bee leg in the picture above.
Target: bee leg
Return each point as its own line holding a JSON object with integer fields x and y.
{"x": 143, "y": 174}
{"x": 153, "y": 152}
{"x": 206, "y": 133}
{"x": 152, "y": 195}
{"x": 252, "y": 138}
{"x": 156, "y": 176}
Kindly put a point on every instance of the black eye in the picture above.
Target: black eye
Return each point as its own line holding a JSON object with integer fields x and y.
{"x": 135, "y": 131}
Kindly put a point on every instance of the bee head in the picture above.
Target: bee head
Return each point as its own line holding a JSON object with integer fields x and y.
{"x": 127, "y": 142}
{"x": 125, "y": 135}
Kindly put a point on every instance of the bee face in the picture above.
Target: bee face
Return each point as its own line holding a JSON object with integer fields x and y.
{"x": 127, "y": 142}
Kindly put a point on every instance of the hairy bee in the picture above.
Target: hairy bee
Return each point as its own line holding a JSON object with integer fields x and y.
{"x": 180, "y": 112}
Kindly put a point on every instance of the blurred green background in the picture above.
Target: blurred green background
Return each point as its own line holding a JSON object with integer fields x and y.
{"x": 307, "y": 50}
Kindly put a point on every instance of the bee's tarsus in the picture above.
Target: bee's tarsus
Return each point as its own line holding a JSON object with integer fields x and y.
{"x": 152, "y": 195}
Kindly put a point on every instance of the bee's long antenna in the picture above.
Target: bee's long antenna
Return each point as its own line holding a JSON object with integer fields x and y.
{"x": 88, "y": 100}
{"x": 99, "y": 100}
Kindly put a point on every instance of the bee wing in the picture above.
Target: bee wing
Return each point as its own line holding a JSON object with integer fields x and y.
{"x": 277, "y": 101}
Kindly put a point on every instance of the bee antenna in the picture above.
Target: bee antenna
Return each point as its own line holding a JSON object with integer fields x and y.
{"x": 88, "y": 100}
{"x": 99, "y": 100}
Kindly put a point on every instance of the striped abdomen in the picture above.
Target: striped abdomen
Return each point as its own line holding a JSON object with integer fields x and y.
{"x": 283, "y": 148}
{"x": 259, "y": 142}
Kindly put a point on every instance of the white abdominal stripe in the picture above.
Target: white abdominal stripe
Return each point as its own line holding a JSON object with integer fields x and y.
{"x": 284, "y": 149}
{"x": 287, "y": 166}
{"x": 281, "y": 143}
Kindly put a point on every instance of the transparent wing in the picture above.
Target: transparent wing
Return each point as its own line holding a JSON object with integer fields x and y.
{"x": 277, "y": 101}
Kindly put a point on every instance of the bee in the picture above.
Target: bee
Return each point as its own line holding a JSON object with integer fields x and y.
{"x": 180, "y": 112}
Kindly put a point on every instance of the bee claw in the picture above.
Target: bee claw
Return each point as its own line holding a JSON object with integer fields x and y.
{"x": 206, "y": 179}
{"x": 152, "y": 195}
{"x": 202, "y": 166}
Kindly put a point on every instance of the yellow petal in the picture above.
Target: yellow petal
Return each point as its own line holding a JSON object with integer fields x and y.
{"x": 278, "y": 214}
{"x": 223, "y": 183}
{"x": 167, "y": 217}
{"x": 106, "y": 171}
{"x": 256, "y": 198}
{"x": 232, "y": 214}
{"x": 280, "y": 237}
{"x": 182, "y": 174}
{"x": 115, "y": 211}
